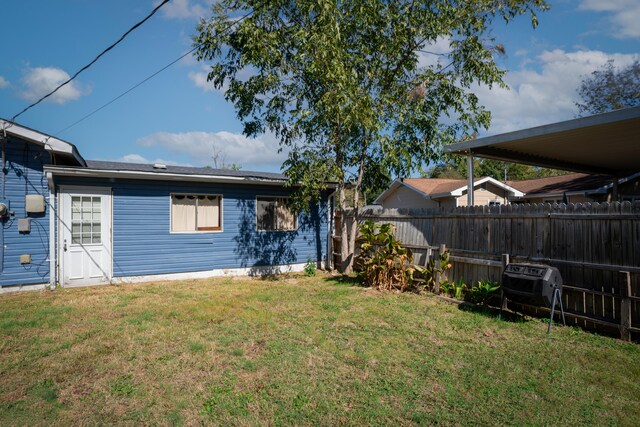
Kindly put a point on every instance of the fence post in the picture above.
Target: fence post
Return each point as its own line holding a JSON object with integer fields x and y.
{"x": 505, "y": 262}
{"x": 436, "y": 263}
{"x": 625, "y": 307}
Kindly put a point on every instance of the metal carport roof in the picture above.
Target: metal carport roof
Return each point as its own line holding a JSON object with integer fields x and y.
{"x": 607, "y": 143}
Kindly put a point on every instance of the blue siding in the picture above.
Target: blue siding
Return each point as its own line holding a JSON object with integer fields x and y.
{"x": 143, "y": 244}
{"x": 25, "y": 176}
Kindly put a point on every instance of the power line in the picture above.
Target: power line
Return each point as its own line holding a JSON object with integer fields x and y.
{"x": 146, "y": 79}
{"x": 127, "y": 91}
{"x": 13, "y": 119}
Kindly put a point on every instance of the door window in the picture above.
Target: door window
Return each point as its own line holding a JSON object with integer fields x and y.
{"x": 85, "y": 220}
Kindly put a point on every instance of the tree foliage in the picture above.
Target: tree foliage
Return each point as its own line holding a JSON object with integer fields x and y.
{"x": 455, "y": 167}
{"x": 350, "y": 84}
{"x": 608, "y": 89}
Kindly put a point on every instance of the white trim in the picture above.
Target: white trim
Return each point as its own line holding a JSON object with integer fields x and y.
{"x": 7, "y": 289}
{"x": 161, "y": 176}
{"x": 458, "y": 192}
{"x": 455, "y": 193}
{"x": 50, "y": 143}
{"x": 106, "y": 191}
{"x": 52, "y": 237}
{"x": 220, "y": 204}
{"x": 221, "y": 272}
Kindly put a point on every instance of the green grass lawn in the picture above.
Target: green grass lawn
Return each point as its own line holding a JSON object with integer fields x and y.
{"x": 297, "y": 351}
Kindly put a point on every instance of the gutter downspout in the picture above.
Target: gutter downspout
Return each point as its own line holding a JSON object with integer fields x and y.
{"x": 52, "y": 232}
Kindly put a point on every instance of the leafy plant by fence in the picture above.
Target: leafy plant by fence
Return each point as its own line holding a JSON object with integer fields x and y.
{"x": 383, "y": 262}
{"x": 595, "y": 246}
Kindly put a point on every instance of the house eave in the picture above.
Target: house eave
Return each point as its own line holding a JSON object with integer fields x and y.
{"x": 154, "y": 176}
{"x": 50, "y": 143}
{"x": 393, "y": 187}
{"x": 460, "y": 191}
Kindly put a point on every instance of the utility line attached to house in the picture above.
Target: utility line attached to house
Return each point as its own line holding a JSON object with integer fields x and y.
{"x": 232, "y": 23}
{"x": 13, "y": 119}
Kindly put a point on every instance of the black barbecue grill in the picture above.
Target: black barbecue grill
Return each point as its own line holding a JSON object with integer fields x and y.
{"x": 533, "y": 284}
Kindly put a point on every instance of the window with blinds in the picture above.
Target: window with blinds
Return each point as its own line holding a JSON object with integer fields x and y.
{"x": 272, "y": 214}
{"x": 192, "y": 213}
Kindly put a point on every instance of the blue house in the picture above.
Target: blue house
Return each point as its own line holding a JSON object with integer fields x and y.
{"x": 72, "y": 222}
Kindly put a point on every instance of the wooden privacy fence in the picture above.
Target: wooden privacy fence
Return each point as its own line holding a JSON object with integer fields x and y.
{"x": 595, "y": 246}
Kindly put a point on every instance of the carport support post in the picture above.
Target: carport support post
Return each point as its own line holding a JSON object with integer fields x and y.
{"x": 614, "y": 190}
{"x": 469, "y": 180}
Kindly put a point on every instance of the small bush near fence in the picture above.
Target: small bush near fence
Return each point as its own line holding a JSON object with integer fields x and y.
{"x": 385, "y": 264}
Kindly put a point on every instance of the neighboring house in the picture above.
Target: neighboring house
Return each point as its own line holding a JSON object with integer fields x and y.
{"x": 76, "y": 222}
{"x": 576, "y": 188}
{"x": 412, "y": 193}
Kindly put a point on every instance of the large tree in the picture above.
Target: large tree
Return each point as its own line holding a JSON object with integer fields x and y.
{"x": 608, "y": 89}
{"x": 349, "y": 84}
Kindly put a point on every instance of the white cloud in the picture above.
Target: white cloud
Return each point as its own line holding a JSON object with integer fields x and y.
{"x": 137, "y": 158}
{"x": 260, "y": 152}
{"x": 38, "y": 81}
{"x": 433, "y": 54}
{"x": 3, "y": 82}
{"x": 624, "y": 16}
{"x": 199, "y": 78}
{"x": 546, "y": 95}
{"x": 183, "y": 9}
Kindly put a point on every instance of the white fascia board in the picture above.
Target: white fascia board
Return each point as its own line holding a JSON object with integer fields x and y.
{"x": 458, "y": 192}
{"x": 49, "y": 143}
{"x": 154, "y": 176}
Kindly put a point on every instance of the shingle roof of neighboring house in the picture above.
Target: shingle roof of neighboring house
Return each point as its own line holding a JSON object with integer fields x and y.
{"x": 181, "y": 170}
{"x": 573, "y": 182}
{"x": 441, "y": 187}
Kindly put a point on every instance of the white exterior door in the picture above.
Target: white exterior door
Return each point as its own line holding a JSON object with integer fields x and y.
{"x": 85, "y": 236}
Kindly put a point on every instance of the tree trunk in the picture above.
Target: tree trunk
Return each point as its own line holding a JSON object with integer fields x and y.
{"x": 346, "y": 255}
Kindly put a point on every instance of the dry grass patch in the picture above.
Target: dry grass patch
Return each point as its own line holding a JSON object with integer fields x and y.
{"x": 296, "y": 351}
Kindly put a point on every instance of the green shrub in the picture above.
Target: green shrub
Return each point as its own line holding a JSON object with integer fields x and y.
{"x": 430, "y": 272}
{"x": 310, "y": 268}
{"x": 384, "y": 262}
{"x": 481, "y": 291}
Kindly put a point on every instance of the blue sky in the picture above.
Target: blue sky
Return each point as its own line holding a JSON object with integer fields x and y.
{"x": 178, "y": 118}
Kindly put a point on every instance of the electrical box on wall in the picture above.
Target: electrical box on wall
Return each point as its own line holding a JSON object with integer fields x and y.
{"x": 34, "y": 203}
{"x": 24, "y": 225}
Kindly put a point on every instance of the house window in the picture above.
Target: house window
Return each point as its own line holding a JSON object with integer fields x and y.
{"x": 273, "y": 214}
{"x": 192, "y": 213}
{"x": 495, "y": 202}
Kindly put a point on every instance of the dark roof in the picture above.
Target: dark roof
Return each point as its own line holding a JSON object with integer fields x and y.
{"x": 573, "y": 182}
{"x": 606, "y": 143}
{"x": 181, "y": 170}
